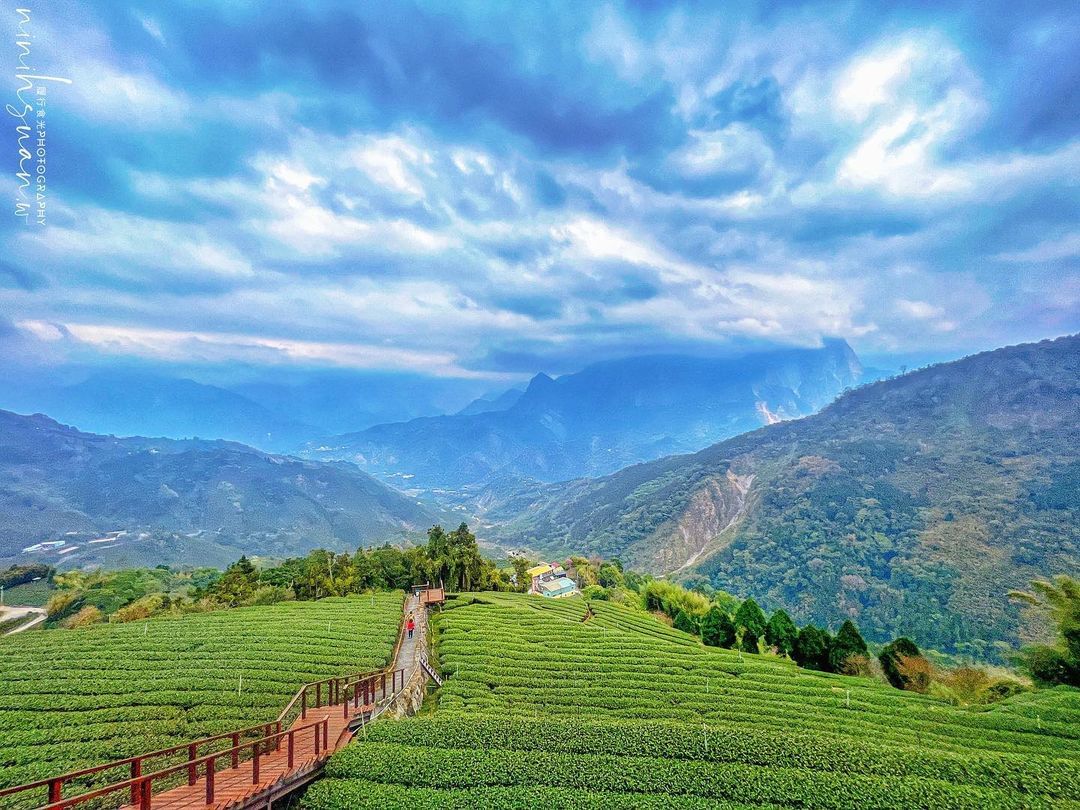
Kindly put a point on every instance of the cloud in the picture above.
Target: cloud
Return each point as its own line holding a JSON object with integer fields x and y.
{"x": 479, "y": 188}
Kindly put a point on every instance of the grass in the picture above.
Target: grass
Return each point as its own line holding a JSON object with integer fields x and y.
{"x": 621, "y": 711}
{"x": 75, "y": 698}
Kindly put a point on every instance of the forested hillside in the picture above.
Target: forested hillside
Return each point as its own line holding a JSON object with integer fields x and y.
{"x": 911, "y": 505}
{"x": 179, "y": 501}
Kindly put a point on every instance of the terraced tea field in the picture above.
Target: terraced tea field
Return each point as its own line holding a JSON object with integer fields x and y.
{"x": 541, "y": 707}
{"x": 71, "y": 699}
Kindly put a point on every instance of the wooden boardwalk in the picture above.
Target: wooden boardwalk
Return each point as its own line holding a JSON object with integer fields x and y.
{"x": 253, "y": 773}
{"x": 314, "y": 740}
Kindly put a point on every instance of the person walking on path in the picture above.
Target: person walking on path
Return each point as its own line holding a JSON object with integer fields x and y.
{"x": 410, "y": 625}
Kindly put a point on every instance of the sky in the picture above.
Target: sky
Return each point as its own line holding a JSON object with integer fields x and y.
{"x": 487, "y": 190}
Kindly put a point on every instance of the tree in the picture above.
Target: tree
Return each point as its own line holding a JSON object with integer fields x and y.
{"x": 684, "y": 622}
{"x": 610, "y": 575}
{"x": 890, "y": 658}
{"x": 781, "y": 633}
{"x": 237, "y": 583}
{"x": 750, "y": 619}
{"x": 521, "y": 577}
{"x": 438, "y": 551}
{"x": 810, "y": 647}
{"x": 717, "y": 629}
{"x": 464, "y": 563}
{"x": 749, "y": 642}
{"x": 848, "y": 642}
{"x": 1059, "y": 664}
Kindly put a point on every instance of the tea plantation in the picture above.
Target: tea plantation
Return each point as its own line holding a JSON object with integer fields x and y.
{"x": 547, "y": 705}
{"x": 71, "y": 699}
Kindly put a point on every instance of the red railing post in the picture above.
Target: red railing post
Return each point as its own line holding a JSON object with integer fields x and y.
{"x": 210, "y": 781}
{"x": 318, "y": 694}
{"x": 277, "y": 736}
{"x": 56, "y": 790}
{"x": 291, "y": 746}
{"x": 266, "y": 733}
{"x": 192, "y": 776}
{"x": 325, "y": 728}
{"x": 255, "y": 763}
{"x": 146, "y": 794}
{"x": 345, "y": 705}
{"x": 303, "y": 704}
{"x": 236, "y": 750}
{"x": 136, "y": 772}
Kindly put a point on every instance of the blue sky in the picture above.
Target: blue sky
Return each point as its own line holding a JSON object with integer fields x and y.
{"x": 485, "y": 190}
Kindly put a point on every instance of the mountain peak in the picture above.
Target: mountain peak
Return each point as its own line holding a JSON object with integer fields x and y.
{"x": 541, "y": 382}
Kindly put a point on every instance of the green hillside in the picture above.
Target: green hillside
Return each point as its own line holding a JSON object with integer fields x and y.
{"x": 911, "y": 505}
{"x": 545, "y": 704}
{"x": 72, "y": 699}
{"x": 124, "y": 502}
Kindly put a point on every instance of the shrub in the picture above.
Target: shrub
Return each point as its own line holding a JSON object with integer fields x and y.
{"x": 141, "y": 608}
{"x": 848, "y": 642}
{"x": 270, "y": 595}
{"x": 84, "y": 618}
{"x": 60, "y": 604}
{"x": 915, "y": 672}
{"x": 684, "y": 622}
{"x": 889, "y": 656}
{"x": 861, "y": 665}
{"x": 1049, "y": 666}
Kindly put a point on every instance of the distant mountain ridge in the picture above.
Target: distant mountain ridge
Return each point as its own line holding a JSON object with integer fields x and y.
{"x": 183, "y": 500}
{"x": 603, "y": 418}
{"x": 274, "y": 412}
{"x": 912, "y": 504}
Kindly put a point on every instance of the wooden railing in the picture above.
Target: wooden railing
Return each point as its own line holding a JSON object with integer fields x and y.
{"x": 141, "y": 787}
{"x": 350, "y": 691}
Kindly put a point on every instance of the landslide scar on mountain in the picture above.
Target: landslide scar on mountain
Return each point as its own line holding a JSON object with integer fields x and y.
{"x": 703, "y": 527}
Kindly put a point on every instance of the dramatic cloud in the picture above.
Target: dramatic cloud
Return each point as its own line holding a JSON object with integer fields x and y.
{"x": 488, "y": 191}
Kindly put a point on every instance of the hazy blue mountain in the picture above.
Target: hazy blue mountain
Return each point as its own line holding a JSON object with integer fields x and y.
{"x": 183, "y": 501}
{"x": 138, "y": 403}
{"x": 911, "y": 504}
{"x": 493, "y": 402}
{"x": 605, "y": 417}
{"x": 347, "y": 400}
{"x": 272, "y": 413}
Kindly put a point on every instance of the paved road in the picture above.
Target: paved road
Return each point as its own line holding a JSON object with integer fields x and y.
{"x": 15, "y": 612}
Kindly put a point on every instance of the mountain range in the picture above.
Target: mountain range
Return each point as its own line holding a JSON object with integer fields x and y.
{"x": 274, "y": 413}
{"x": 182, "y": 501}
{"x": 911, "y": 504}
{"x": 600, "y": 419}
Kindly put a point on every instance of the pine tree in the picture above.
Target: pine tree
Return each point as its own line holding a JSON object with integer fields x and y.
{"x": 717, "y": 629}
{"x": 750, "y": 619}
{"x": 781, "y": 633}
{"x": 749, "y": 642}
{"x": 810, "y": 647}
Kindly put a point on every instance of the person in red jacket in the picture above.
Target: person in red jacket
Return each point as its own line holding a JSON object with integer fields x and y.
{"x": 410, "y": 626}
